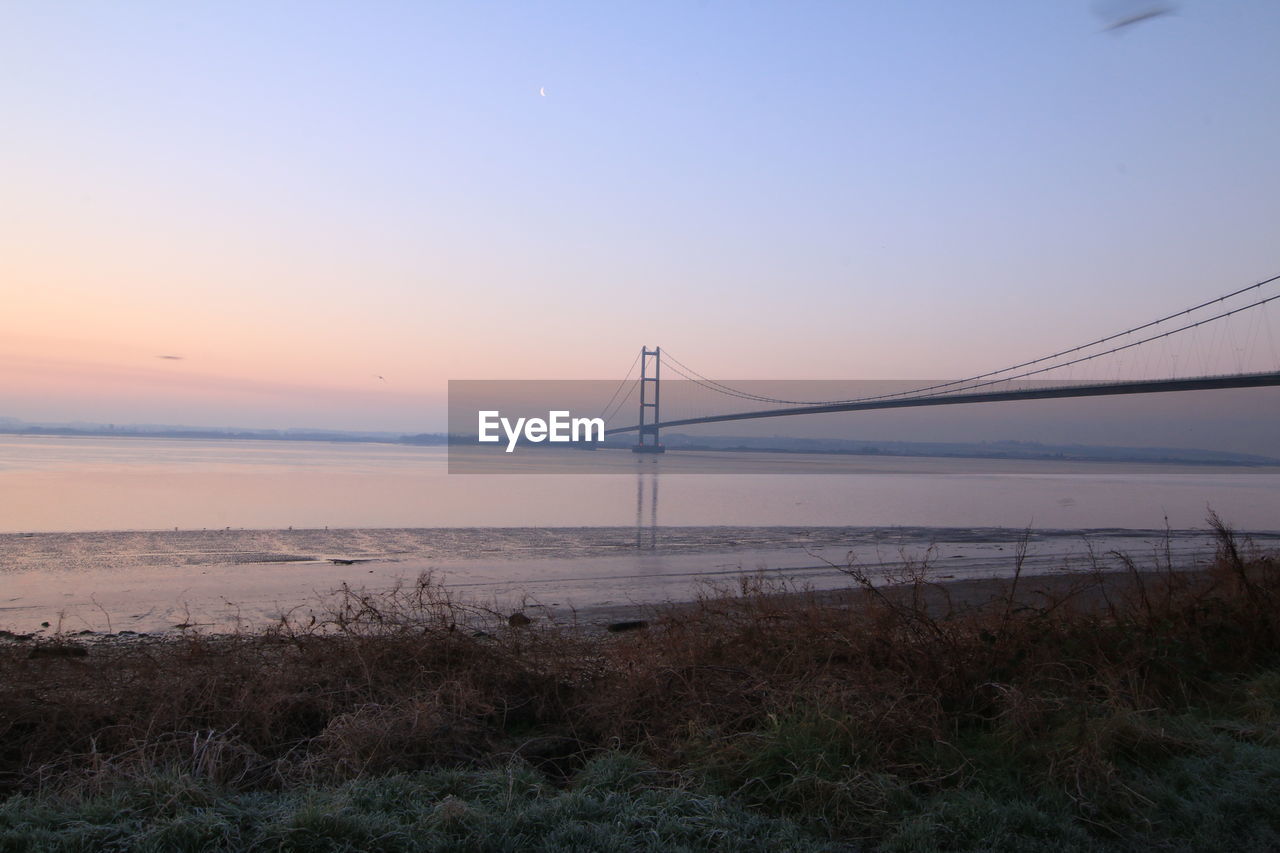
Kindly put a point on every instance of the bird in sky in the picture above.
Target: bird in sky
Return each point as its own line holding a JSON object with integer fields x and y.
{"x": 1119, "y": 16}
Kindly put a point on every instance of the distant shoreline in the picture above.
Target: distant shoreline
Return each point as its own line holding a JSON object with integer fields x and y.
{"x": 1000, "y": 450}
{"x": 1003, "y": 455}
{"x": 233, "y": 435}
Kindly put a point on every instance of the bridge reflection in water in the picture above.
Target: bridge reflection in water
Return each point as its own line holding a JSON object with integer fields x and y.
{"x": 646, "y": 487}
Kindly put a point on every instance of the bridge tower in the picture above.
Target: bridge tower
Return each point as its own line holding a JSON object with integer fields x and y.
{"x": 649, "y": 400}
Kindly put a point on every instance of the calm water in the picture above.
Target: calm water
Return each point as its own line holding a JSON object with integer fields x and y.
{"x": 69, "y": 484}
{"x": 145, "y": 535}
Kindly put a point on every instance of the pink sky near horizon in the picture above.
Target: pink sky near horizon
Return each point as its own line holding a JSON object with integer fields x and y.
{"x": 297, "y": 200}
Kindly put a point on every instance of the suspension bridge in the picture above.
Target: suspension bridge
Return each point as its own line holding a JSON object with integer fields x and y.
{"x": 1224, "y": 342}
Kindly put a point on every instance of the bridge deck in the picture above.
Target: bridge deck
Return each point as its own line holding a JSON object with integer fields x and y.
{"x": 1098, "y": 389}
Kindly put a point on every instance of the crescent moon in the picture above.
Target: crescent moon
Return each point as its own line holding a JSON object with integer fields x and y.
{"x": 542, "y": 90}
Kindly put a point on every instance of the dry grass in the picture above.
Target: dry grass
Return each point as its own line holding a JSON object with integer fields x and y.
{"x": 840, "y": 707}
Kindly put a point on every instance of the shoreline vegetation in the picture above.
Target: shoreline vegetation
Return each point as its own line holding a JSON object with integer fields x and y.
{"x": 1096, "y": 710}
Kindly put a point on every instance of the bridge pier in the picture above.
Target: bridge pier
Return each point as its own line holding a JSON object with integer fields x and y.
{"x": 649, "y": 399}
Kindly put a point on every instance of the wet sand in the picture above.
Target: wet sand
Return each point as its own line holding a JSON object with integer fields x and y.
{"x": 158, "y": 581}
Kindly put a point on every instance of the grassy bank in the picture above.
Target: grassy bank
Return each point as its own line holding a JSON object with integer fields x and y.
{"x": 1104, "y": 710}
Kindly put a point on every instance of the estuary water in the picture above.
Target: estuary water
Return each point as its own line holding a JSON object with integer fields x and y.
{"x": 146, "y": 534}
{"x": 95, "y": 484}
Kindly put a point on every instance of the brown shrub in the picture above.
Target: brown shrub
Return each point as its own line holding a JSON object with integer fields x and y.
{"x": 413, "y": 678}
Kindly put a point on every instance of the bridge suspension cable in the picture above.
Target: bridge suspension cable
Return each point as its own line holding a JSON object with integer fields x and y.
{"x": 607, "y": 412}
{"x": 1119, "y": 348}
{"x": 968, "y": 383}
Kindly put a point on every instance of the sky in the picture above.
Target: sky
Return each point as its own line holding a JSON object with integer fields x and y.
{"x": 324, "y": 211}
